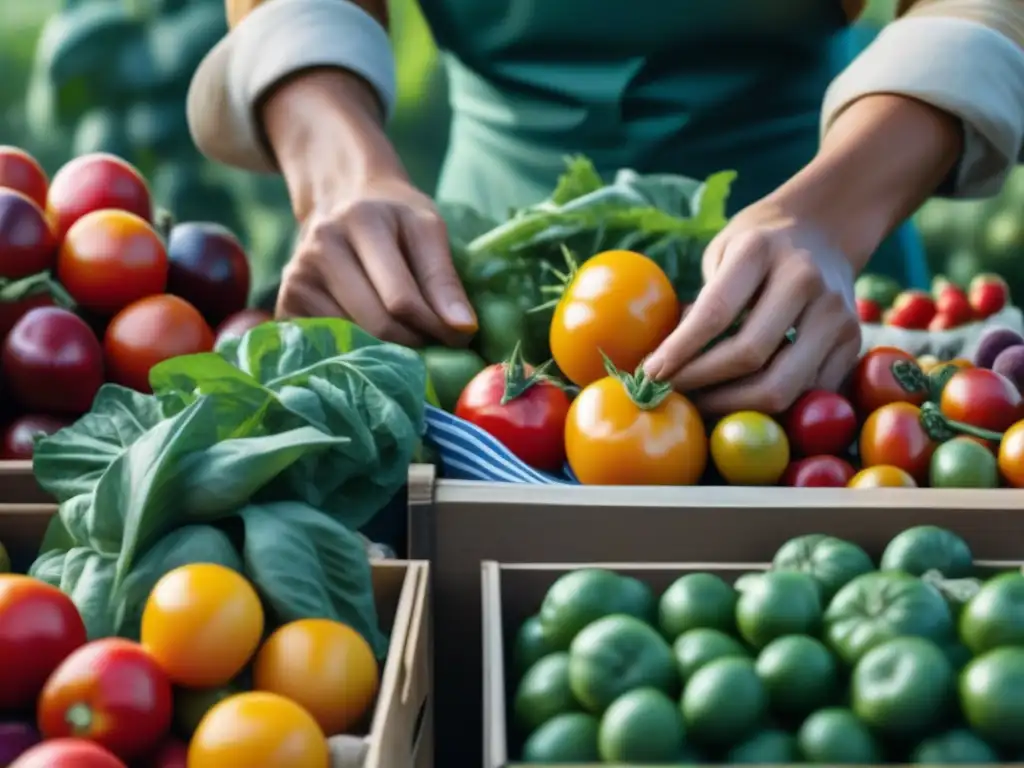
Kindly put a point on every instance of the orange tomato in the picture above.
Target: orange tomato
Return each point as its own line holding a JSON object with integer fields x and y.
{"x": 613, "y": 435}
{"x": 1011, "y": 455}
{"x": 982, "y": 398}
{"x": 148, "y": 332}
{"x": 202, "y": 623}
{"x": 881, "y": 476}
{"x": 258, "y": 729}
{"x": 620, "y": 303}
{"x": 893, "y": 436}
{"x": 324, "y": 666}
{"x": 109, "y": 259}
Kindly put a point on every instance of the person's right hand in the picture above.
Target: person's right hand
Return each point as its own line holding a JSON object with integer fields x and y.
{"x": 372, "y": 248}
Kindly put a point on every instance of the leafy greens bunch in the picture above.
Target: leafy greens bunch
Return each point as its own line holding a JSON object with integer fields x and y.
{"x": 266, "y": 457}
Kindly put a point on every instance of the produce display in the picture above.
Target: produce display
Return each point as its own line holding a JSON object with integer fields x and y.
{"x": 202, "y": 687}
{"x": 825, "y": 658}
{"x": 95, "y": 286}
{"x": 948, "y": 306}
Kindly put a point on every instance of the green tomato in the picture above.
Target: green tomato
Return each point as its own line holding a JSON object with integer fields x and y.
{"x": 450, "y": 370}
{"x": 503, "y": 324}
{"x": 830, "y": 561}
{"x": 963, "y": 463}
{"x": 926, "y": 548}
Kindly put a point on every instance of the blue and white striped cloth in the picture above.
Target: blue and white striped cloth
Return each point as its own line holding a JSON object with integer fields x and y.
{"x": 469, "y": 453}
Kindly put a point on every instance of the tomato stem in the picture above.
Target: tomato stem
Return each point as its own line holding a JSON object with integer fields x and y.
{"x": 163, "y": 223}
{"x": 517, "y": 380}
{"x": 940, "y": 428}
{"x": 909, "y": 376}
{"x": 563, "y": 279}
{"x": 80, "y": 717}
{"x": 645, "y": 393}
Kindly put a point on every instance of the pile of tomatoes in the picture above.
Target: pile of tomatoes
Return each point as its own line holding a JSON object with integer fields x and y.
{"x": 94, "y": 288}
{"x": 177, "y": 697}
{"x": 900, "y": 422}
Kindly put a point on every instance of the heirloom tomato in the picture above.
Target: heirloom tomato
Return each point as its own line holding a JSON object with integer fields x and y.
{"x": 67, "y": 753}
{"x": 893, "y": 435}
{"x": 881, "y": 476}
{"x": 625, "y": 429}
{"x": 821, "y": 423}
{"x": 619, "y": 304}
{"x": 749, "y": 448}
{"x": 874, "y": 385}
{"x": 39, "y": 628}
{"x": 521, "y": 408}
{"x": 981, "y": 398}
{"x": 109, "y": 691}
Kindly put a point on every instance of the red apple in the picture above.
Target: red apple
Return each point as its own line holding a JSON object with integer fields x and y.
{"x": 239, "y": 323}
{"x": 27, "y": 244}
{"x": 869, "y": 311}
{"x": 988, "y": 294}
{"x": 96, "y": 182}
{"x": 52, "y": 362}
{"x": 952, "y": 302}
{"x": 20, "y": 171}
{"x": 19, "y": 440}
{"x": 911, "y": 309}
{"x": 209, "y": 269}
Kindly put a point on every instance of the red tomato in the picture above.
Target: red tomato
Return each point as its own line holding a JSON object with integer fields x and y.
{"x": 108, "y": 691}
{"x": 529, "y": 422}
{"x": 893, "y": 436}
{"x": 911, "y": 309}
{"x": 988, "y": 294}
{"x": 981, "y": 398}
{"x": 19, "y": 439}
{"x": 67, "y": 753}
{"x": 873, "y": 383}
{"x": 148, "y": 332}
{"x": 952, "y": 302}
{"x": 39, "y": 628}
{"x": 240, "y": 323}
{"x": 818, "y": 472}
{"x": 821, "y": 422}
{"x": 869, "y": 311}
{"x": 22, "y": 173}
{"x": 96, "y": 182}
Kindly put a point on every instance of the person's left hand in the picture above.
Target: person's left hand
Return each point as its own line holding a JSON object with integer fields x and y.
{"x": 788, "y": 274}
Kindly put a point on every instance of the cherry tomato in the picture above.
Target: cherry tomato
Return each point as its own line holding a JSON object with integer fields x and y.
{"x": 526, "y": 414}
{"x": 818, "y": 472}
{"x": 893, "y": 436}
{"x": 258, "y": 729}
{"x": 19, "y": 439}
{"x": 110, "y": 259}
{"x": 148, "y": 332}
{"x": 882, "y": 476}
{"x": 749, "y": 448}
{"x": 23, "y": 173}
{"x": 324, "y": 666}
{"x": 110, "y": 691}
{"x": 620, "y": 303}
{"x": 39, "y": 628}
{"x": 1011, "y": 455}
{"x": 67, "y": 753}
{"x": 873, "y": 383}
{"x": 616, "y": 434}
{"x": 821, "y": 422}
{"x": 981, "y": 398}
{"x": 202, "y": 623}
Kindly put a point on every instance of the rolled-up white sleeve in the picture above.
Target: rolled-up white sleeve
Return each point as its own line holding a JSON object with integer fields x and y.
{"x": 277, "y": 40}
{"x": 964, "y": 67}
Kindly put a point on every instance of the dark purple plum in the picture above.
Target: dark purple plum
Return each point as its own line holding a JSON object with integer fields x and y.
{"x": 992, "y": 343}
{"x": 209, "y": 269}
{"x": 27, "y": 243}
{"x": 1010, "y": 363}
{"x": 16, "y": 738}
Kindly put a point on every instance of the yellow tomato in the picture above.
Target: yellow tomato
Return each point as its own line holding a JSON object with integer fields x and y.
{"x": 258, "y": 730}
{"x": 1011, "y": 455}
{"x": 202, "y": 623}
{"x": 882, "y": 476}
{"x": 749, "y": 448}
{"x": 927, "y": 362}
{"x": 325, "y": 666}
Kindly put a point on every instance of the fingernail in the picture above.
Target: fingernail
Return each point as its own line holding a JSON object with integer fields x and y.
{"x": 652, "y": 366}
{"x": 460, "y": 315}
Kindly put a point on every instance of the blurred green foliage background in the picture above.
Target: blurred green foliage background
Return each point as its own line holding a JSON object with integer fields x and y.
{"x": 111, "y": 75}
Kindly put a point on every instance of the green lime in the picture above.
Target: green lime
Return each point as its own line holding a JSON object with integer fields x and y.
{"x": 956, "y": 747}
{"x": 531, "y": 644}
{"x": 779, "y": 603}
{"x": 767, "y": 747}
{"x": 617, "y": 654}
{"x": 544, "y": 692}
{"x": 697, "y": 600}
{"x": 799, "y": 674}
{"x": 697, "y": 647}
{"x": 829, "y": 561}
{"x": 963, "y": 463}
{"x": 835, "y": 736}
{"x": 928, "y": 548}
{"x": 995, "y": 616}
{"x": 990, "y": 696}
{"x": 580, "y": 597}
{"x": 641, "y": 726}
{"x": 724, "y": 702}
{"x": 902, "y": 687}
{"x": 879, "y": 606}
{"x": 568, "y": 738}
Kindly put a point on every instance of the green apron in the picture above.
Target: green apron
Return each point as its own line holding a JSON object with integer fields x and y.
{"x": 651, "y": 85}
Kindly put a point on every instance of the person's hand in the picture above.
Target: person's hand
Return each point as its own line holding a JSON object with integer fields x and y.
{"x": 789, "y": 275}
{"x": 379, "y": 256}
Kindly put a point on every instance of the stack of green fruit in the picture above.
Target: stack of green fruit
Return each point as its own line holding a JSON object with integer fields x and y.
{"x": 823, "y": 658}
